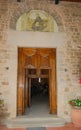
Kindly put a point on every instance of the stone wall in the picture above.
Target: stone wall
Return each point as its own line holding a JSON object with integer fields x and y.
{"x": 68, "y": 19}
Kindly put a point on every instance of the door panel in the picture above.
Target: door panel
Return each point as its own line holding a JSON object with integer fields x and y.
{"x": 31, "y": 61}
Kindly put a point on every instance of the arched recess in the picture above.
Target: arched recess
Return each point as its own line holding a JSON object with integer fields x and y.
{"x": 28, "y": 6}
{"x": 36, "y": 20}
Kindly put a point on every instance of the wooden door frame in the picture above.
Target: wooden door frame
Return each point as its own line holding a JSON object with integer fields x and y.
{"x": 52, "y": 82}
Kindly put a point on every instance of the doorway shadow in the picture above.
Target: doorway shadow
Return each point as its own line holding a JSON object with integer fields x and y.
{"x": 39, "y": 98}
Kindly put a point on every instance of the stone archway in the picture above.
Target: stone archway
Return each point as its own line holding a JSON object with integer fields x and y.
{"x": 51, "y": 40}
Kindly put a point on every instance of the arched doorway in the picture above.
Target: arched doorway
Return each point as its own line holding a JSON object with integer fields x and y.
{"x": 36, "y": 66}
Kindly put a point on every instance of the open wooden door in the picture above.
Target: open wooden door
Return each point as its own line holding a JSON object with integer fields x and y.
{"x": 52, "y": 81}
{"x": 34, "y": 60}
{"x": 21, "y": 79}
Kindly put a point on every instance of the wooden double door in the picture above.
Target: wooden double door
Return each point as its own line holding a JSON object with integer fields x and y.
{"x": 35, "y": 63}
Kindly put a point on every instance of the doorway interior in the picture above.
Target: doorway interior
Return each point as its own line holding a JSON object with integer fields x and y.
{"x": 38, "y": 93}
{"x": 36, "y": 81}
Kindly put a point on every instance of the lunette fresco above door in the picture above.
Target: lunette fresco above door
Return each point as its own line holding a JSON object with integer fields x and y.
{"x": 36, "y": 20}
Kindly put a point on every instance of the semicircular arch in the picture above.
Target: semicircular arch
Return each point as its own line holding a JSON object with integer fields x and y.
{"x": 27, "y": 7}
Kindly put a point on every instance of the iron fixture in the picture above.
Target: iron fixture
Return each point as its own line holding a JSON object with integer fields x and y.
{"x": 18, "y": 0}
{"x": 57, "y": 1}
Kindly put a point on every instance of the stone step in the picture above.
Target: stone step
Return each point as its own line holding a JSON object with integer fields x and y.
{"x": 35, "y": 122}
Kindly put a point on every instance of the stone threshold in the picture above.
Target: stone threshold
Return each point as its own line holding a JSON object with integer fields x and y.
{"x": 35, "y": 122}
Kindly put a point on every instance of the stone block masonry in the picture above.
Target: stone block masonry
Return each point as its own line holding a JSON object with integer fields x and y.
{"x": 68, "y": 19}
